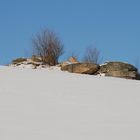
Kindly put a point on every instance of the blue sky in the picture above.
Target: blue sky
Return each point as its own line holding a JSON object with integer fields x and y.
{"x": 112, "y": 26}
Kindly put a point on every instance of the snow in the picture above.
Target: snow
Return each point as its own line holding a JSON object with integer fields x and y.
{"x": 48, "y": 104}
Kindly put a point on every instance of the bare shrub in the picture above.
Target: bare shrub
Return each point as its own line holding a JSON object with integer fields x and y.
{"x": 92, "y": 55}
{"x": 48, "y": 46}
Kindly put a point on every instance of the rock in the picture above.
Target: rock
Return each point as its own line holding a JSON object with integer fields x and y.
{"x": 123, "y": 74}
{"x": 138, "y": 76}
{"x": 73, "y": 60}
{"x": 82, "y": 68}
{"x": 35, "y": 58}
{"x": 119, "y": 69}
{"x": 33, "y": 62}
{"x": 19, "y": 60}
{"x": 117, "y": 66}
{"x": 63, "y": 64}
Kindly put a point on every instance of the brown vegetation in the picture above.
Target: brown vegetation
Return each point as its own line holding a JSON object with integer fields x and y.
{"x": 92, "y": 55}
{"x": 48, "y": 46}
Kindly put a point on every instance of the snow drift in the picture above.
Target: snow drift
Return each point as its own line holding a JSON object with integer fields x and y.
{"x": 48, "y": 104}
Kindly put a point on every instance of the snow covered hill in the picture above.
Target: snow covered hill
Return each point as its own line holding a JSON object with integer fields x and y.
{"x": 48, "y": 104}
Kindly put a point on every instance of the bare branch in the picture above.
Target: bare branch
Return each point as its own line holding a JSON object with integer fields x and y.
{"x": 48, "y": 46}
{"x": 91, "y": 55}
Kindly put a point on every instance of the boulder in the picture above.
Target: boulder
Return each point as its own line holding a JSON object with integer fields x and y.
{"x": 63, "y": 64}
{"x": 35, "y": 58}
{"x": 19, "y": 60}
{"x": 138, "y": 76}
{"x": 33, "y": 62}
{"x": 119, "y": 69}
{"x": 123, "y": 74}
{"x": 73, "y": 60}
{"x": 82, "y": 68}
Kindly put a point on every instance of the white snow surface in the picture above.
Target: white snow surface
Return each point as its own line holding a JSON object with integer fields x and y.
{"x": 48, "y": 104}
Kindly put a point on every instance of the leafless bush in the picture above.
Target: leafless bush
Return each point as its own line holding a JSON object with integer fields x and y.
{"x": 48, "y": 46}
{"x": 92, "y": 55}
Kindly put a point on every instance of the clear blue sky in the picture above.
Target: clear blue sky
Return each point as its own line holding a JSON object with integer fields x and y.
{"x": 113, "y": 26}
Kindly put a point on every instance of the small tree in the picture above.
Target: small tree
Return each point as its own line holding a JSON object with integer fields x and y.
{"x": 48, "y": 46}
{"x": 92, "y": 55}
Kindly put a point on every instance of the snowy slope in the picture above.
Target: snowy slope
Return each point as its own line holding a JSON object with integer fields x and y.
{"x": 48, "y": 104}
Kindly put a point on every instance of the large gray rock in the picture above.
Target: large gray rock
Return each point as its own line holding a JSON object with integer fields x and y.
{"x": 119, "y": 69}
{"x": 138, "y": 76}
{"x": 123, "y": 74}
{"x": 82, "y": 68}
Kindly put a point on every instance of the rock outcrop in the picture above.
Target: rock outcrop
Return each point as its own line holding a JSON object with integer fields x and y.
{"x": 19, "y": 60}
{"x": 82, "y": 68}
{"x": 36, "y": 58}
{"x": 113, "y": 69}
{"x": 119, "y": 69}
{"x": 138, "y": 76}
{"x": 33, "y": 62}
